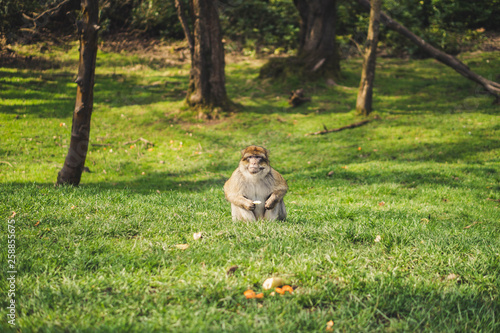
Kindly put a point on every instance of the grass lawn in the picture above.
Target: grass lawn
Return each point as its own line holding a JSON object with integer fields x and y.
{"x": 392, "y": 226}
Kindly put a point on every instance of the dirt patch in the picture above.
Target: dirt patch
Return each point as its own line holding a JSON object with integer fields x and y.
{"x": 492, "y": 42}
{"x": 159, "y": 53}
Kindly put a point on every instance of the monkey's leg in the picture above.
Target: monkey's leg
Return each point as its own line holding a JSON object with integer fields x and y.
{"x": 277, "y": 213}
{"x": 241, "y": 214}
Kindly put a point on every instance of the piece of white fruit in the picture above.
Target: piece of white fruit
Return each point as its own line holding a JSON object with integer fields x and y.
{"x": 257, "y": 202}
{"x": 273, "y": 283}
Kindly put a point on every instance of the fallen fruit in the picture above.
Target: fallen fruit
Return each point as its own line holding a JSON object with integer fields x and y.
{"x": 249, "y": 294}
{"x": 257, "y": 202}
{"x": 280, "y": 291}
{"x": 272, "y": 283}
{"x": 287, "y": 288}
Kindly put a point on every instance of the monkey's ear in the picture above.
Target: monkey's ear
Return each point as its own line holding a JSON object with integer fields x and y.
{"x": 266, "y": 152}
{"x": 243, "y": 152}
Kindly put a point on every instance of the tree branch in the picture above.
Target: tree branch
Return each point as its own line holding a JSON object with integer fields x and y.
{"x": 326, "y": 131}
{"x": 491, "y": 87}
{"x": 43, "y": 19}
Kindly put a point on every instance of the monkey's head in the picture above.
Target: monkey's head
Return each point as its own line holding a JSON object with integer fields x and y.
{"x": 255, "y": 160}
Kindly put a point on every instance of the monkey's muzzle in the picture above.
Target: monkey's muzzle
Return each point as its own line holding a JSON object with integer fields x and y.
{"x": 254, "y": 169}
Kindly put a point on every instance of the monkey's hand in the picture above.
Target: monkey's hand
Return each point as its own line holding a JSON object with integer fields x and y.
{"x": 249, "y": 205}
{"x": 271, "y": 202}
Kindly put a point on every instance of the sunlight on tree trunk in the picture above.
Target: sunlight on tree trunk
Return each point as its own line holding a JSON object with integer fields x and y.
{"x": 75, "y": 160}
{"x": 207, "y": 81}
{"x": 365, "y": 92}
{"x": 317, "y": 47}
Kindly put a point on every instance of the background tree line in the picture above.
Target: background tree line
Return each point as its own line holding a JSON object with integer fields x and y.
{"x": 272, "y": 26}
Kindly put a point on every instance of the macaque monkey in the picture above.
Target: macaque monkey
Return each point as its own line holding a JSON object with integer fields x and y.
{"x": 255, "y": 190}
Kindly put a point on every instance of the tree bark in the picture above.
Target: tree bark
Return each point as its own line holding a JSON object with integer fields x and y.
{"x": 365, "y": 92}
{"x": 490, "y": 86}
{"x": 75, "y": 160}
{"x": 207, "y": 81}
{"x": 317, "y": 47}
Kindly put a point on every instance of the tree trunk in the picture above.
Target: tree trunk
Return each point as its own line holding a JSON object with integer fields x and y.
{"x": 491, "y": 87}
{"x": 365, "y": 93}
{"x": 75, "y": 160}
{"x": 207, "y": 81}
{"x": 317, "y": 47}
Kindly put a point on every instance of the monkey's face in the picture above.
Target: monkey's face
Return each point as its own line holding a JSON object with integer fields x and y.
{"x": 254, "y": 160}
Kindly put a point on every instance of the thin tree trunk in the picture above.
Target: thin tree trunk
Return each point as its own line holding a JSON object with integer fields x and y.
{"x": 365, "y": 93}
{"x": 207, "y": 81}
{"x": 181, "y": 14}
{"x": 317, "y": 46}
{"x": 490, "y": 86}
{"x": 75, "y": 160}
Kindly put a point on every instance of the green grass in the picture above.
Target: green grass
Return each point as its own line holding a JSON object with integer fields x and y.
{"x": 102, "y": 257}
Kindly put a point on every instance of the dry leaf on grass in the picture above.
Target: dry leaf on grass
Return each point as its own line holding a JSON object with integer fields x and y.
{"x": 231, "y": 270}
{"x": 182, "y": 246}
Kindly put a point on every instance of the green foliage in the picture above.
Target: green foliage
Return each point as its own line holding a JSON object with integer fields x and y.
{"x": 150, "y": 17}
{"x": 449, "y": 25}
{"x": 463, "y": 14}
{"x": 257, "y": 24}
{"x": 11, "y": 13}
{"x": 249, "y": 25}
{"x": 102, "y": 257}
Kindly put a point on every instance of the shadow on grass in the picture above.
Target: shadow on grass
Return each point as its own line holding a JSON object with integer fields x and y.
{"x": 52, "y": 95}
{"x": 396, "y": 300}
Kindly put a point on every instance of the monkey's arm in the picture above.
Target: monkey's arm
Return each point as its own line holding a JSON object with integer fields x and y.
{"x": 279, "y": 190}
{"x": 232, "y": 191}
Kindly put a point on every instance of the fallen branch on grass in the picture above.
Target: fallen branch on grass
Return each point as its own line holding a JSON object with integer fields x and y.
{"x": 467, "y": 227}
{"x": 6, "y": 163}
{"x": 326, "y": 130}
